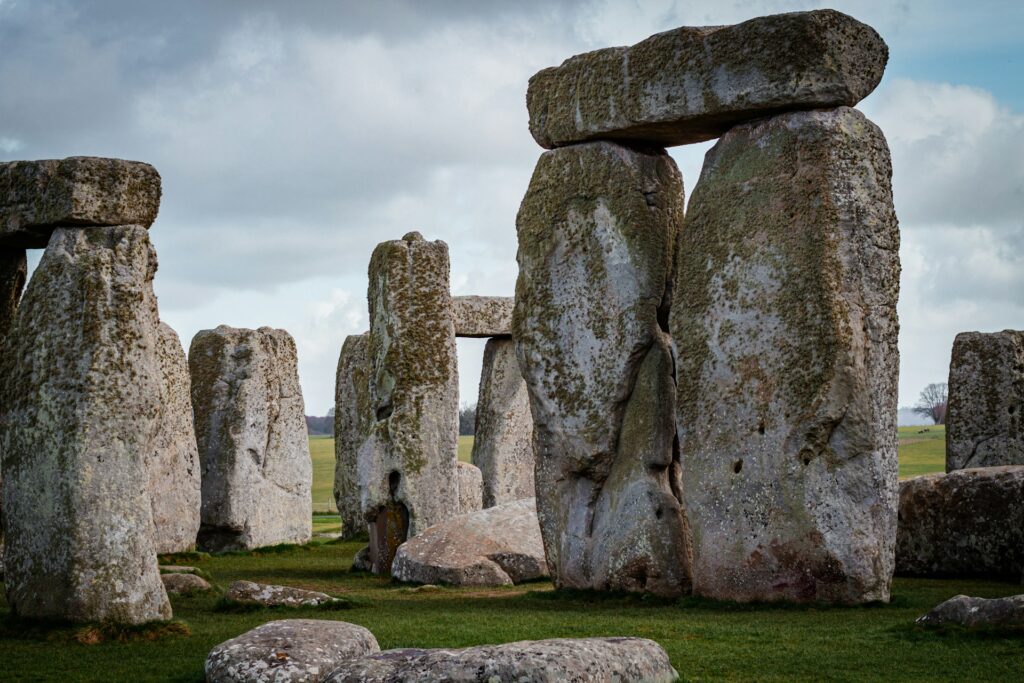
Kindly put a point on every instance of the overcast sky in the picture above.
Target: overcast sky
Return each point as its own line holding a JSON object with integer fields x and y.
{"x": 292, "y": 137}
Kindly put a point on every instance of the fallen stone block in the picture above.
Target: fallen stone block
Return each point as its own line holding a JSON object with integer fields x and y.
{"x": 482, "y": 316}
{"x": 963, "y": 610}
{"x": 268, "y": 595}
{"x": 183, "y": 584}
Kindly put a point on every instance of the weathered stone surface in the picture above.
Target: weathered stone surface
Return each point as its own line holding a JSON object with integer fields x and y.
{"x": 407, "y": 470}
{"x": 985, "y": 418}
{"x": 13, "y": 273}
{"x": 361, "y": 562}
{"x": 251, "y": 433}
{"x": 965, "y": 523}
{"x": 482, "y": 316}
{"x": 503, "y": 446}
{"x": 582, "y": 660}
{"x": 471, "y": 487}
{"x": 785, "y": 325}
{"x": 288, "y": 650}
{"x": 695, "y": 83}
{"x": 597, "y": 230}
{"x": 81, "y": 387}
{"x": 963, "y": 610}
{"x": 182, "y": 583}
{"x": 38, "y": 196}
{"x": 498, "y": 546}
{"x": 270, "y": 595}
{"x": 352, "y": 421}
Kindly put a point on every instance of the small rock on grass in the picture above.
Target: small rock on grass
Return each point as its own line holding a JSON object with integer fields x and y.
{"x": 247, "y": 592}
{"x": 963, "y": 610}
{"x": 184, "y": 583}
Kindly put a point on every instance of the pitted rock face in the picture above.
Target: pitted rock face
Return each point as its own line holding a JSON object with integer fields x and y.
{"x": 962, "y": 610}
{"x": 985, "y": 420}
{"x": 251, "y": 433}
{"x": 352, "y": 421}
{"x": 13, "y": 273}
{"x": 482, "y": 316}
{"x": 471, "y": 488}
{"x": 784, "y": 320}
{"x": 82, "y": 402}
{"x": 597, "y": 230}
{"x": 694, "y": 84}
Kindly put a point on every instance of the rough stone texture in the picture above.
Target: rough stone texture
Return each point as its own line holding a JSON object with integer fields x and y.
{"x": 482, "y": 316}
{"x": 498, "y": 546}
{"x": 471, "y": 487}
{"x": 13, "y": 273}
{"x": 174, "y": 486}
{"x": 352, "y": 420}
{"x": 288, "y": 650}
{"x": 985, "y": 418}
{"x": 597, "y": 230}
{"x": 407, "y": 470}
{"x": 785, "y": 325}
{"x": 965, "y": 523}
{"x": 275, "y": 596}
{"x": 182, "y": 584}
{"x": 38, "y": 196}
{"x": 251, "y": 433}
{"x": 963, "y": 610}
{"x": 82, "y": 392}
{"x": 503, "y": 446}
{"x": 691, "y": 84}
{"x": 361, "y": 562}
{"x": 581, "y": 660}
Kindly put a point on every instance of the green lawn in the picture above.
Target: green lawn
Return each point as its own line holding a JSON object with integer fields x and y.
{"x": 922, "y": 450}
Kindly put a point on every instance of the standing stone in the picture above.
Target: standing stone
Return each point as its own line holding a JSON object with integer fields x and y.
{"x": 81, "y": 387}
{"x": 985, "y": 419}
{"x": 471, "y": 487}
{"x": 13, "y": 273}
{"x": 597, "y": 230}
{"x": 482, "y": 316}
{"x": 251, "y": 432}
{"x": 407, "y": 470}
{"x": 352, "y": 420}
{"x": 785, "y": 324}
{"x": 503, "y": 446}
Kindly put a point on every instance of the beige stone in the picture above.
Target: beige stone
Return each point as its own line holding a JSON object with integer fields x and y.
{"x": 471, "y": 489}
{"x": 352, "y": 421}
{"x": 482, "y": 316}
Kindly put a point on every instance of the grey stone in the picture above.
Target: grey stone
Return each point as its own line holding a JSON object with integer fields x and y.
{"x": 498, "y": 546}
{"x": 985, "y": 417}
{"x": 251, "y": 433}
{"x": 352, "y": 421}
{"x": 784, "y": 320}
{"x": 965, "y": 523}
{"x": 183, "y": 584}
{"x": 597, "y": 230}
{"x": 361, "y": 562}
{"x": 962, "y": 610}
{"x": 270, "y": 595}
{"x": 13, "y": 273}
{"x": 482, "y": 316}
{"x": 471, "y": 487}
{"x": 288, "y": 651}
{"x": 38, "y": 196}
{"x": 82, "y": 392}
{"x": 503, "y": 445}
{"x": 692, "y": 84}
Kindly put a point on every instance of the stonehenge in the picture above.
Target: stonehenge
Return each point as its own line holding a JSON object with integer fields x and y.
{"x": 482, "y": 316}
{"x": 351, "y": 424}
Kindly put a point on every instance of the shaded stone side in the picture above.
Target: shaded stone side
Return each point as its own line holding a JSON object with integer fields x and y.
{"x": 597, "y": 230}
{"x": 692, "y": 84}
{"x": 352, "y": 420}
{"x": 482, "y": 316}
{"x": 503, "y": 446}
{"x": 81, "y": 388}
{"x": 13, "y": 273}
{"x": 784, "y": 320}
{"x": 471, "y": 487}
{"x": 251, "y": 433}
{"x": 985, "y": 417}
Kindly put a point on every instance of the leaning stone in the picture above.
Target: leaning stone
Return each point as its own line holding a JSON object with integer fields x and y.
{"x": 962, "y": 610}
{"x": 183, "y": 584}
{"x": 38, "y": 196}
{"x": 299, "y": 650}
{"x": 82, "y": 393}
{"x": 352, "y": 422}
{"x": 268, "y": 595}
{"x": 692, "y": 84}
{"x": 13, "y": 273}
{"x": 503, "y": 446}
{"x": 471, "y": 487}
{"x": 251, "y": 433}
{"x": 582, "y": 660}
{"x": 498, "y": 546}
{"x": 967, "y": 523}
{"x": 985, "y": 420}
{"x": 597, "y": 230}
{"x": 482, "y": 316}
{"x": 785, "y": 322}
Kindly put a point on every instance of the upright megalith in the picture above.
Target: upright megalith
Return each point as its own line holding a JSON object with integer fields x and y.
{"x": 784, "y": 319}
{"x": 597, "y": 232}
{"x": 251, "y": 433}
{"x": 503, "y": 446}
{"x": 352, "y": 421}
{"x": 13, "y": 273}
{"x": 985, "y": 419}
{"x": 81, "y": 387}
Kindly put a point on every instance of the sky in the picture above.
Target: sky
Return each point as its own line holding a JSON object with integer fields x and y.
{"x": 293, "y": 137}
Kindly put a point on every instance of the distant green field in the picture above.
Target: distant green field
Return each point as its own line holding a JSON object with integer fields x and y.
{"x": 922, "y": 450}
{"x": 465, "y": 448}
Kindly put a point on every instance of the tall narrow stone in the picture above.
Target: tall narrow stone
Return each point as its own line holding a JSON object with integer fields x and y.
{"x": 352, "y": 420}
{"x": 13, "y": 272}
{"x": 597, "y": 230}
{"x": 503, "y": 447}
{"x": 784, "y": 319}
{"x": 81, "y": 408}
{"x": 251, "y": 433}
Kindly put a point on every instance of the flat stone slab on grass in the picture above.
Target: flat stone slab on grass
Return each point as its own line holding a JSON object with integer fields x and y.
{"x": 483, "y": 316}
{"x": 963, "y": 610}
{"x": 184, "y": 583}
{"x": 269, "y": 595}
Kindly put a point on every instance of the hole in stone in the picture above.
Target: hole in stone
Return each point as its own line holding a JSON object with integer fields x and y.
{"x": 737, "y": 466}
{"x": 384, "y": 412}
{"x": 658, "y": 513}
{"x": 807, "y": 460}
{"x": 760, "y": 427}
{"x": 394, "y": 479}
{"x": 1011, "y": 410}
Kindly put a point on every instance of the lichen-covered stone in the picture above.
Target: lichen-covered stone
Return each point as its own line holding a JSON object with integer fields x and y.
{"x": 288, "y": 651}
{"x": 13, "y": 273}
{"x": 597, "y": 230}
{"x": 81, "y": 387}
{"x": 38, "y": 196}
{"x": 963, "y": 610}
{"x": 177, "y": 583}
{"x": 269, "y": 595}
{"x": 784, "y": 319}
{"x": 965, "y": 523}
{"x": 503, "y": 445}
{"x": 352, "y": 420}
{"x": 695, "y": 83}
{"x": 251, "y": 433}
{"x": 471, "y": 487}
{"x": 482, "y": 316}
{"x": 985, "y": 419}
